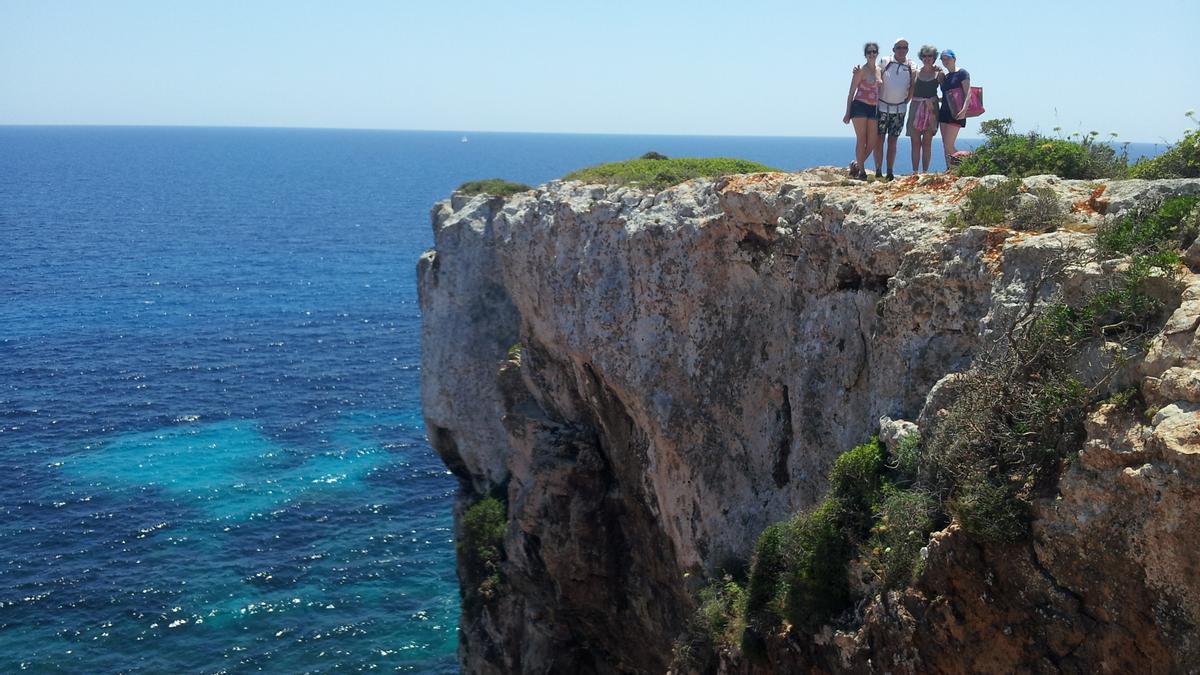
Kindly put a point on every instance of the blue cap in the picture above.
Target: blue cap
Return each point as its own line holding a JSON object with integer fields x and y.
{"x": 949, "y": 52}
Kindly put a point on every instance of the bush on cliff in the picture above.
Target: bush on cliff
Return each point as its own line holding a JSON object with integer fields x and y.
{"x": 721, "y": 617}
{"x": 902, "y": 526}
{"x": 799, "y": 568}
{"x": 1170, "y": 226}
{"x": 497, "y": 187}
{"x": 1031, "y": 154}
{"x": 1181, "y": 160}
{"x": 659, "y": 174}
{"x": 481, "y": 547}
{"x": 1019, "y": 411}
{"x": 985, "y": 205}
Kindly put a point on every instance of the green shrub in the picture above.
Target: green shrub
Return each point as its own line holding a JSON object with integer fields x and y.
{"x": 1032, "y": 154}
{"x": 816, "y": 554}
{"x": 799, "y": 571}
{"x": 481, "y": 546}
{"x": 721, "y": 615}
{"x": 986, "y": 205}
{"x": 990, "y": 511}
{"x": 906, "y": 458}
{"x": 766, "y": 573}
{"x": 853, "y": 482}
{"x": 659, "y": 174}
{"x": 905, "y": 518}
{"x": 1127, "y": 399}
{"x": 1170, "y": 225}
{"x": 654, "y": 155}
{"x": 1041, "y": 212}
{"x": 1181, "y": 160}
{"x": 497, "y": 187}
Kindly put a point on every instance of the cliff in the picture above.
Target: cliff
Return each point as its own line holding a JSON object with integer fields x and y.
{"x": 647, "y": 381}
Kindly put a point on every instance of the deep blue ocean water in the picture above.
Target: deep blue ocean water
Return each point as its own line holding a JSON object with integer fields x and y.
{"x": 211, "y": 450}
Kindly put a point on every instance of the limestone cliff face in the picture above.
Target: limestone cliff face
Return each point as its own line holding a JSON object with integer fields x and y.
{"x": 650, "y": 380}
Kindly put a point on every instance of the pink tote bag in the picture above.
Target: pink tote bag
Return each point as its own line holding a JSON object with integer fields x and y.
{"x": 974, "y": 101}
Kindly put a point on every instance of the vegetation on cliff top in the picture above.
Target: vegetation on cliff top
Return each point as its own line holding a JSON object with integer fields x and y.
{"x": 1037, "y": 210}
{"x": 1031, "y": 154}
{"x": 659, "y": 174}
{"x": 1081, "y": 156}
{"x": 1181, "y": 160}
{"x": 492, "y": 186}
{"x": 1014, "y": 420}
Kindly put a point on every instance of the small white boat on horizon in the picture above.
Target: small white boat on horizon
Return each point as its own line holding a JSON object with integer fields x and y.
{"x": 464, "y": 139}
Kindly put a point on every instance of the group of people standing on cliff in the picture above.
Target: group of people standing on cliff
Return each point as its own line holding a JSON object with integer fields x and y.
{"x": 884, "y": 94}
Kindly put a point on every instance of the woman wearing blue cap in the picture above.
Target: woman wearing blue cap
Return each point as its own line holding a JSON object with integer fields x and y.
{"x": 951, "y": 120}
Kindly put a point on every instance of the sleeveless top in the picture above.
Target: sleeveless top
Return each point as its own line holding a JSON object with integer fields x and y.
{"x": 868, "y": 92}
{"x": 926, "y": 88}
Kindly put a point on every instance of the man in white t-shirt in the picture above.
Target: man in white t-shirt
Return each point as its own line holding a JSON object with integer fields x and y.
{"x": 898, "y": 75}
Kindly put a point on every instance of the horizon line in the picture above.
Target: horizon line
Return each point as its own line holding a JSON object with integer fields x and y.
{"x": 1162, "y": 142}
{"x": 434, "y": 131}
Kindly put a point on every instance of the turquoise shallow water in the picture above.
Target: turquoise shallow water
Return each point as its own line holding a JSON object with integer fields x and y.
{"x": 211, "y": 450}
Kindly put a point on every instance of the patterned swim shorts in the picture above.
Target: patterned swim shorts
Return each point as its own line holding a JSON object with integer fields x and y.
{"x": 891, "y": 123}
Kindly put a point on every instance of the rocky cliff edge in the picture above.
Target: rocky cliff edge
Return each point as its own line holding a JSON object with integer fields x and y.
{"x": 646, "y": 381}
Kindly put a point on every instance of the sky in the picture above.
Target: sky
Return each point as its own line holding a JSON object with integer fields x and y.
{"x": 716, "y": 68}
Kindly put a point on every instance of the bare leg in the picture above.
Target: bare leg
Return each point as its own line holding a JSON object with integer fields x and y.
{"x": 949, "y": 135}
{"x": 876, "y": 145}
{"x": 891, "y": 156}
{"x": 862, "y": 143}
{"x": 927, "y": 149}
{"x": 915, "y": 141}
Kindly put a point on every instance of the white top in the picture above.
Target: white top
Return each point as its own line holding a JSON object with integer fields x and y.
{"x": 897, "y": 80}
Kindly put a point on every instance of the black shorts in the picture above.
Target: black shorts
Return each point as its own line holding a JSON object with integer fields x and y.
{"x": 947, "y": 117}
{"x": 861, "y": 109}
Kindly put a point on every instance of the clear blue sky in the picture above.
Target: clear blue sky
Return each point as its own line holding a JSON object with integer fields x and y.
{"x": 755, "y": 67}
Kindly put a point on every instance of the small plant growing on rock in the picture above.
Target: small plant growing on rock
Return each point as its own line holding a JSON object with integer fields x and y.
{"x": 514, "y": 353}
{"x": 1040, "y": 211}
{"x": 903, "y": 520}
{"x": 906, "y": 458}
{"x": 481, "y": 547}
{"x": 985, "y": 205}
{"x": 659, "y": 174}
{"x": 721, "y": 616}
{"x": 1171, "y": 225}
{"x": 991, "y": 511}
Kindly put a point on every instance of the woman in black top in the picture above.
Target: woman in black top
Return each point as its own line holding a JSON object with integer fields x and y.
{"x": 952, "y": 121}
{"x": 922, "y": 112}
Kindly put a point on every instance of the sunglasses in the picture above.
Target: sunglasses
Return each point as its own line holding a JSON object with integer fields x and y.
{"x": 871, "y": 51}
{"x": 929, "y": 56}
{"x": 900, "y": 49}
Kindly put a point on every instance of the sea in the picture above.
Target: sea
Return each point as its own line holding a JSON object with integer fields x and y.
{"x": 212, "y": 456}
